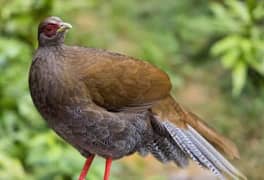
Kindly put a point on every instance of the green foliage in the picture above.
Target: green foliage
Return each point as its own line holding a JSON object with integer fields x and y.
{"x": 242, "y": 46}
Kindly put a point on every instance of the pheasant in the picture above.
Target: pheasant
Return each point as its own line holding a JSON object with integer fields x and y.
{"x": 112, "y": 105}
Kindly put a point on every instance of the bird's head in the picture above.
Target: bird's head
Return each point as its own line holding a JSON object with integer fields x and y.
{"x": 51, "y": 31}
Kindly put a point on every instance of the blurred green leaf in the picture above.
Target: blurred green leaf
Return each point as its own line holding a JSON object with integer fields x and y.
{"x": 226, "y": 44}
{"x": 230, "y": 58}
{"x": 239, "y": 75}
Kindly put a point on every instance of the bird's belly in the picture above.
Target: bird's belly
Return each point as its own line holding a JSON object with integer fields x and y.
{"x": 104, "y": 136}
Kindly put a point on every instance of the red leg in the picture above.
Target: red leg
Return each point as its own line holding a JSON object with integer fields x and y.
{"x": 86, "y": 167}
{"x": 107, "y": 168}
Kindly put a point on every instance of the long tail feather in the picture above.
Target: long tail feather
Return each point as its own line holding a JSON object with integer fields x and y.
{"x": 199, "y": 150}
{"x": 212, "y": 136}
{"x": 179, "y": 135}
{"x": 213, "y": 154}
{"x": 169, "y": 109}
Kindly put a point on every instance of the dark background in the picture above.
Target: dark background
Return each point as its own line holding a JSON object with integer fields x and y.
{"x": 212, "y": 50}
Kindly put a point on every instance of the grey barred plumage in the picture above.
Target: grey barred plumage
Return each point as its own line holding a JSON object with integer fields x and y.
{"x": 219, "y": 161}
{"x": 187, "y": 146}
{"x": 166, "y": 151}
{"x": 202, "y": 152}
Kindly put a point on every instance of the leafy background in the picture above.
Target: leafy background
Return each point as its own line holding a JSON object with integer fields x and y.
{"x": 212, "y": 50}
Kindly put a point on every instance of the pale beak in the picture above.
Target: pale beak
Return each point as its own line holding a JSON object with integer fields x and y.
{"x": 64, "y": 26}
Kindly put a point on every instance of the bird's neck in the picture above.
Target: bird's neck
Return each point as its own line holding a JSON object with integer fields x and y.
{"x": 50, "y": 61}
{"x": 49, "y": 53}
{"x": 55, "y": 41}
{"x": 48, "y": 75}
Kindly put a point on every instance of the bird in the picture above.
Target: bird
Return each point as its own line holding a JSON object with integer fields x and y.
{"x": 111, "y": 105}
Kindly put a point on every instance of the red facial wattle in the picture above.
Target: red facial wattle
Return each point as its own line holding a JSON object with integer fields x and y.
{"x": 50, "y": 29}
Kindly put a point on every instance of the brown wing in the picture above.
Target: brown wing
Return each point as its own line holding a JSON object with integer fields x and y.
{"x": 117, "y": 82}
{"x": 169, "y": 109}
